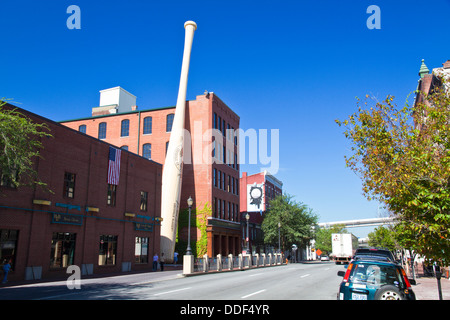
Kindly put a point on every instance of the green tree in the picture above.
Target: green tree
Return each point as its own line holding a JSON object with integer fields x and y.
{"x": 323, "y": 237}
{"x": 402, "y": 156}
{"x": 296, "y": 220}
{"x": 383, "y": 237}
{"x": 19, "y": 144}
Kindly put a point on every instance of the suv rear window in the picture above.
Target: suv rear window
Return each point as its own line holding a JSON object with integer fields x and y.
{"x": 375, "y": 253}
{"x": 374, "y": 275}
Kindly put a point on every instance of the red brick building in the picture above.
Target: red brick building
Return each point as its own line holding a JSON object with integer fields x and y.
{"x": 211, "y": 169}
{"x": 256, "y": 192}
{"x": 86, "y": 221}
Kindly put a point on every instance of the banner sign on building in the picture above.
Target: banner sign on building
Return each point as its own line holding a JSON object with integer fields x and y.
{"x": 255, "y": 198}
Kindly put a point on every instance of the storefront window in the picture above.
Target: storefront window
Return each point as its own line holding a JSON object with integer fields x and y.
{"x": 108, "y": 250}
{"x": 62, "y": 249}
{"x": 141, "y": 250}
{"x": 8, "y": 245}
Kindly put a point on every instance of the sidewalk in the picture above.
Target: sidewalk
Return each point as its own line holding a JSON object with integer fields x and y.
{"x": 426, "y": 288}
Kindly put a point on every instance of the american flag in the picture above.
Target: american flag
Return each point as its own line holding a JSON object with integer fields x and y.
{"x": 114, "y": 166}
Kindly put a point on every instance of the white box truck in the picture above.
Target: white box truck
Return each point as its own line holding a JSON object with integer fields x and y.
{"x": 343, "y": 246}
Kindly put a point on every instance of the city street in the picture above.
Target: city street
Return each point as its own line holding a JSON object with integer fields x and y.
{"x": 301, "y": 281}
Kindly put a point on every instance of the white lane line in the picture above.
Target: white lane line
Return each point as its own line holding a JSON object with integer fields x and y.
{"x": 160, "y": 294}
{"x": 252, "y": 294}
{"x": 305, "y": 275}
{"x": 256, "y": 274}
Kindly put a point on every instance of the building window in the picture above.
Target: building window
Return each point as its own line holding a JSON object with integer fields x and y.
{"x": 218, "y": 208}
{"x": 215, "y": 177}
{"x": 167, "y": 146}
{"x": 147, "y": 125}
{"x": 144, "y": 197}
{"x": 8, "y": 245}
{"x": 107, "y": 251}
{"x": 11, "y": 180}
{"x": 141, "y": 250}
{"x": 62, "y": 250}
{"x": 169, "y": 122}
{"x": 124, "y": 148}
{"x": 82, "y": 128}
{"x": 147, "y": 151}
{"x": 125, "y": 128}
{"x": 232, "y": 185}
{"x": 219, "y": 179}
{"x": 224, "y": 155}
{"x": 111, "y": 197}
{"x": 102, "y": 130}
{"x": 69, "y": 185}
{"x": 215, "y": 121}
{"x": 214, "y": 207}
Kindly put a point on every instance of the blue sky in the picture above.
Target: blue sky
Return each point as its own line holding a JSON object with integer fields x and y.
{"x": 295, "y": 66}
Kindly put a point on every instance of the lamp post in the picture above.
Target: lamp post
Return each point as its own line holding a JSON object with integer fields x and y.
{"x": 279, "y": 237}
{"x": 188, "y": 249}
{"x": 247, "y": 217}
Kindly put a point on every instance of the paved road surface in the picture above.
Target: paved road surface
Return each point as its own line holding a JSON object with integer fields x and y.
{"x": 312, "y": 281}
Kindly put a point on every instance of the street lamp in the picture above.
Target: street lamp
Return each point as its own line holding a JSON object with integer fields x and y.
{"x": 188, "y": 250}
{"x": 279, "y": 242}
{"x": 247, "y": 217}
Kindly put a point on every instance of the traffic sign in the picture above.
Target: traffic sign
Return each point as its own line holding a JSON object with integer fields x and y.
{"x": 318, "y": 252}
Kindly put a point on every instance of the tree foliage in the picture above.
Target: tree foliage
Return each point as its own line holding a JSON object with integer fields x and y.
{"x": 296, "y": 220}
{"x": 383, "y": 237}
{"x": 402, "y": 156}
{"x": 19, "y": 145}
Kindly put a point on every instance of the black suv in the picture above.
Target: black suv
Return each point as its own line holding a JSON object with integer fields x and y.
{"x": 374, "y": 253}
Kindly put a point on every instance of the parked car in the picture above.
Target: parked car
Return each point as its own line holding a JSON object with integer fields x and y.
{"x": 375, "y": 280}
{"x": 374, "y": 253}
{"x": 324, "y": 258}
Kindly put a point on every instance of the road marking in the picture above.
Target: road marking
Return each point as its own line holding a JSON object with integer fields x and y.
{"x": 252, "y": 294}
{"x": 160, "y": 294}
{"x": 305, "y": 275}
{"x": 256, "y": 274}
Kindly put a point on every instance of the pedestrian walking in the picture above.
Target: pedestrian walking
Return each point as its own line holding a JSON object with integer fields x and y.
{"x": 175, "y": 257}
{"x": 155, "y": 262}
{"x": 161, "y": 261}
{"x": 6, "y": 269}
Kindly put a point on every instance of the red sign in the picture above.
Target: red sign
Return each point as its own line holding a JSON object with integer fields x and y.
{"x": 318, "y": 252}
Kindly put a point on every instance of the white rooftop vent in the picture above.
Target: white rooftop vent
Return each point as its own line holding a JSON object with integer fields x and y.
{"x": 115, "y": 100}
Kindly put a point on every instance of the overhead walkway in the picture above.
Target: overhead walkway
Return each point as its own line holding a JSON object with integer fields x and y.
{"x": 360, "y": 222}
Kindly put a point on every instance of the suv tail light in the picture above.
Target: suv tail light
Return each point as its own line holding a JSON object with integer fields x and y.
{"x": 405, "y": 277}
{"x": 347, "y": 273}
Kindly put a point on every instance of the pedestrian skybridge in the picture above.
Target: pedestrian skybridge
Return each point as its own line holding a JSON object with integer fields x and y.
{"x": 360, "y": 222}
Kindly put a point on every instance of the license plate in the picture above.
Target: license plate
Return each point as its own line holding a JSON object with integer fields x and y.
{"x": 357, "y": 296}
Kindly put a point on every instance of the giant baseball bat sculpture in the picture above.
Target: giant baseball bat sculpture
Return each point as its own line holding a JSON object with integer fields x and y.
{"x": 173, "y": 165}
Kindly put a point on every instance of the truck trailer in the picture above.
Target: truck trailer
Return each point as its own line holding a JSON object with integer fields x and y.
{"x": 343, "y": 246}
